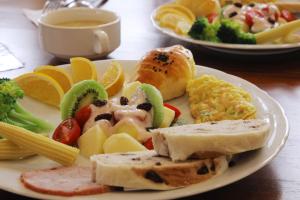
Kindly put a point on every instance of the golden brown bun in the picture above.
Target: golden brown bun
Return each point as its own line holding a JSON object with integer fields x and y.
{"x": 168, "y": 69}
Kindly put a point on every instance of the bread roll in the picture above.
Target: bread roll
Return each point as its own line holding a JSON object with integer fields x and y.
{"x": 210, "y": 139}
{"x": 168, "y": 69}
{"x": 147, "y": 170}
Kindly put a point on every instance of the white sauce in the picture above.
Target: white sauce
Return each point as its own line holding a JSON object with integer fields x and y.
{"x": 122, "y": 114}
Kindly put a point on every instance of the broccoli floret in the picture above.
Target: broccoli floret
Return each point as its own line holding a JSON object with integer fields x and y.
{"x": 203, "y": 30}
{"x": 13, "y": 113}
{"x": 231, "y": 32}
{"x": 198, "y": 27}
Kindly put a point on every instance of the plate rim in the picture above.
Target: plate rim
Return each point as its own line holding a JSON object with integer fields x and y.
{"x": 173, "y": 193}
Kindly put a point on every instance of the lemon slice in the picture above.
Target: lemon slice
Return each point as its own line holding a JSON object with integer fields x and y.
{"x": 83, "y": 69}
{"x": 171, "y": 20}
{"x": 201, "y": 7}
{"x": 41, "y": 87}
{"x": 58, "y": 74}
{"x": 175, "y": 8}
{"x": 183, "y": 27}
{"x": 113, "y": 78}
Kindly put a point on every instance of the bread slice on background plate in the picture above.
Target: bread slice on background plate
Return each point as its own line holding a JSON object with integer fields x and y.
{"x": 148, "y": 170}
{"x": 210, "y": 139}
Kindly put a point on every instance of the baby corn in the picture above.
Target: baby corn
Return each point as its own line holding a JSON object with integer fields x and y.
{"x": 39, "y": 144}
{"x": 10, "y": 151}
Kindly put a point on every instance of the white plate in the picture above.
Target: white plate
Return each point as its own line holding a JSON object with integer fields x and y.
{"x": 249, "y": 163}
{"x": 242, "y": 49}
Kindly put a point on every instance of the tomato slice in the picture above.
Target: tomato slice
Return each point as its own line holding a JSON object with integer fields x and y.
{"x": 176, "y": 110}
{"x": 211, "y": 17}
{"x": 149, "y": 144}
{"x": 287, "y": 15}
{"x": 67, "y": 132}
{"x": 250, "y": 14}
{"x": 82, "y": 115}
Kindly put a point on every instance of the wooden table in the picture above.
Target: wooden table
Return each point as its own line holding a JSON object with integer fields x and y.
{"x": 279, "y": 75}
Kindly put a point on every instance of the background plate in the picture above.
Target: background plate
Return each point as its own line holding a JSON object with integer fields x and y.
{"x": 242, "y": 49}
{"x": 247, "y": 164}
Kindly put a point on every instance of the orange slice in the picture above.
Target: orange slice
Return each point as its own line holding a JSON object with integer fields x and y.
{"x": 83, "y": 69}
{"x": 58, "y": 74}
{"x": 113, "y": 78}
{"x": 41, "y": 87}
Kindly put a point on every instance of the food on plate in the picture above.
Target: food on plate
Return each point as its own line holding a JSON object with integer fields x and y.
{"x": 67, "y": 132}
{"x": 58, "y": 74}
{"x": 46, "y": 89}
{"x": 167, "y": 68}
{"x": 13, "y": 113}
{"x": 147, "y": 170}
{"x": 63, "y": 181}
{"x": 201, "y": 8}
{"x": 212, "y": 99}
{"x": 10, "y": 151}
{"x": 169, "y": 117}
{"x": 122, "y": 142}
{"x": 119, "y": 124}
{"x": 81, "y": 94}
{"x": 83, "y": 69}
{"x": 113, "y": 78}
{"x": 240, "y": 22}
{"x": 288, "y": 29}
{"x": 210, "y": 139}
{"x": 129, "y": 89}
{"x": 39, "y": 144}
{"x": 175, "y": 16}
{"x": 154, "y": 97}
{"x": 91, "y": 142}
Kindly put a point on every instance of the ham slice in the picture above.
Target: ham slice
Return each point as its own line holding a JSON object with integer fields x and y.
{"x": 63, "y": 181}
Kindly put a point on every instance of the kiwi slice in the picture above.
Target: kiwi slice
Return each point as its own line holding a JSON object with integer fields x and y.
{"x": 154, "y": 97}
{"x": 81, "y": 94}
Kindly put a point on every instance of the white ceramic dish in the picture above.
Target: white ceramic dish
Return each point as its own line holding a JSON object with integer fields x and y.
{"x": 248, "y": 164}
{"x": 257, "y": 49}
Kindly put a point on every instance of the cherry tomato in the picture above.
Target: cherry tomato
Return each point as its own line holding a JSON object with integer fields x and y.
{"x": 211, "y": 17}
{"x": 67, "y": 132}
{"x": 287, "y": 15}
{"x": 149, "y": 144}
{"x": 176, "y": 110}
{"x": 82, "y": 115}
{"x": 250, "y": 14}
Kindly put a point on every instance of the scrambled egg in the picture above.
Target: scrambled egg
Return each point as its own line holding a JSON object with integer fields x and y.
{"x": 212, "y": 99}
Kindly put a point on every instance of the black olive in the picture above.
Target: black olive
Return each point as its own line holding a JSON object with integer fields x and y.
{"x": 123, "y": 100}
{"x": 153, "y": 176}
{"x": 145, "y": 106}
{"x": 251, "y": 4}
{"x": 238, "y": 4}
{"x": 100, "y": 103}
{"x": 271, "y": 20}
{"x": 232, "y": 14}
{"x": 107, "y": 116}
{"x": 202, "y": 170}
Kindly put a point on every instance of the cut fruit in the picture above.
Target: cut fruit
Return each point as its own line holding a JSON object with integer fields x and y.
{"x": 81, "y": 94}
{"x": 91, "y": 142}
{"x": 122, "y": 142}
{"x": 127, "y": 126}
{"x": 113, "y": 78}
{"x": 58, "y": 74}
{"x": 83, "y": 69}
{"x": 161, "y": 13}
{"x": 41, "y": 87}
{"x": 130, "y": 89}
{"x": 179, "y": 8}
{"x": 154, "y": 97}
{"x": 171, "y": 20}
{"x": 169, "y": 116}
{"x": 201, "y": 7}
